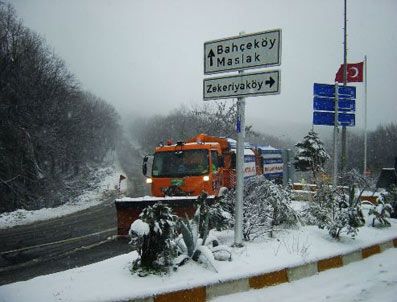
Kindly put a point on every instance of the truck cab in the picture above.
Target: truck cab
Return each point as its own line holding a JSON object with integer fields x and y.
{"x": 186, "y": 169}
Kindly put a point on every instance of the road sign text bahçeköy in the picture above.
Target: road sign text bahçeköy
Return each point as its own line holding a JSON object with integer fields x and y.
{"x": 256, "y": 50}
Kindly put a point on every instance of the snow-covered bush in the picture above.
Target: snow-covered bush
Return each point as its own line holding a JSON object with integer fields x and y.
{"x": 379, "y": 214}
{"x": 266, "y": 205}
{"x": 211, "y": 216}
{"x": 152, "y": 236}
{"x": 335, "y": 211}
{"x": 310, "y": 154}
{"x": 195, "y": 241}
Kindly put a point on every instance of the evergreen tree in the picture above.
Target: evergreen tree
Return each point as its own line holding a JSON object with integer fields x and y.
{"x": 311, "y": 154}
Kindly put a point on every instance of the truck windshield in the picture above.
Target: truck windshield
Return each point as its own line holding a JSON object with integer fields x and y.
{"x": 180, "y": 163}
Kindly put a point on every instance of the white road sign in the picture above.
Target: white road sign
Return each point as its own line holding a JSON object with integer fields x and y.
{"x": 256, "y": 50}
{"x": 242, "y": 85}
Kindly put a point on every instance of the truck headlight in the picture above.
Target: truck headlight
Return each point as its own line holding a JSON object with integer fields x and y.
{"x": 149, "y": 180}
{"x": 206, "y": 178}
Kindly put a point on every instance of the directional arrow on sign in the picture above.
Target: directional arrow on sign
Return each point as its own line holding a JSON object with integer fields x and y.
{"x": 211, "y": 56}
{"x": 270, "y": 82}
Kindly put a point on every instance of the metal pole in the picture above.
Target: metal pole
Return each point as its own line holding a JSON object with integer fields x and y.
{"x": 365, "y": 115}
{"x": 335, "y": 169}
{"x": 344, "y": 130}
{"x": 238, "y": 226}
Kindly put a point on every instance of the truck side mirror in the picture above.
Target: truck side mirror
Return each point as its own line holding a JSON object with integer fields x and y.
{"x": 144, "y": 165}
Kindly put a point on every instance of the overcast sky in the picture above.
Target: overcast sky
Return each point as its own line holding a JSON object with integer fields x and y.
{"x": 146, "y": 57}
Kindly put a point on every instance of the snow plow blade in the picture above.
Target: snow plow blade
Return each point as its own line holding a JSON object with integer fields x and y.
{"x": 128, "y": 209}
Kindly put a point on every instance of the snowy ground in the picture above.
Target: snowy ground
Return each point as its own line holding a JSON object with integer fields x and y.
{"x": 371, "y": 280}
{"x": 87, "y": 199}
{"x": 111, "y": 280}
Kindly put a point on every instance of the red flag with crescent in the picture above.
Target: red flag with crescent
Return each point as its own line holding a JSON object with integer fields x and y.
{"x": 354, "y": 73}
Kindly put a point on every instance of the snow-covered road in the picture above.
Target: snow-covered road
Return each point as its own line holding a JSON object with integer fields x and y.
{"x": 370, "y": 280}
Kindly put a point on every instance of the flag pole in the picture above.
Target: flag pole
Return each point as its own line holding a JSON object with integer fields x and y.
{"x": 365, "y": 115}
{"x": 344, "y": 130}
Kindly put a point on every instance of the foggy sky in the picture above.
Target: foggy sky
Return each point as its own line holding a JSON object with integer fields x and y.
{"x": 146, "y": 57}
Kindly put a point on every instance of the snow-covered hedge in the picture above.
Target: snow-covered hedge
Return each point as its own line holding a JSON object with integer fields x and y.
{"x": 266, "y": 206}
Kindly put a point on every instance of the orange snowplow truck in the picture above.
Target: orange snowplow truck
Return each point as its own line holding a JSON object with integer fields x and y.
{"x": 202, "y": 163}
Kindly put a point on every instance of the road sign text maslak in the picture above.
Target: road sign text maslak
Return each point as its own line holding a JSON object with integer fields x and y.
{"x": 256, "y": 50}
{"x": 242, "y": 85}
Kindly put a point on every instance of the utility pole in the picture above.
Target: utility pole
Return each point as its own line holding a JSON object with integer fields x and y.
{"x": 344, "y": 130}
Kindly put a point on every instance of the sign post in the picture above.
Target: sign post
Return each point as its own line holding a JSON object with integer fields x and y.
{"x": 328, "y": 100}
{"x": 240, "y": 128}
{"x": 262, "y": 49}
{"x": 335, "y": 170}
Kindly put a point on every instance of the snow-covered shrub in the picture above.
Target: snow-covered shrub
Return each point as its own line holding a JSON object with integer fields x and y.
{"x": 390, "y": 197}
{"x": 336, "y": 211}
{"x": 318, "y": 210}
{"x": 195, "y": 241}
{"x": 211, "y": 216}
{"x": 152, "y": 236}
{"x": 266, "y": 205}
{"x": 378, "y": 215}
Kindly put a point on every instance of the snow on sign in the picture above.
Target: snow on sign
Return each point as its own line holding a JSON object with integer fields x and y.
{"x": 242, "y": 85}
{"x": 262, "y": 49}
{"x": 328, "y": 118}
{"x": 328, "y": 104}
{"x": 328, "y": 90}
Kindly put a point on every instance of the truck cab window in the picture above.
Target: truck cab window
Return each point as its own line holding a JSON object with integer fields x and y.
{"x": 214, "y": 159}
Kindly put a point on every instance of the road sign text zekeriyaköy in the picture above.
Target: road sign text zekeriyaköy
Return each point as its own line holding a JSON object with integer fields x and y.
{"x": 248, "y": 84}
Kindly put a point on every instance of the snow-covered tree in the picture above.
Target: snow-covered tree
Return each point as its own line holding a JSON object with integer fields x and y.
{"x": 152, "y": 235}
{"x": 311, "y": 154}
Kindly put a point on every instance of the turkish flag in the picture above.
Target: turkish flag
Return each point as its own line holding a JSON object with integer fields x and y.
{"x": 354, "y": 73}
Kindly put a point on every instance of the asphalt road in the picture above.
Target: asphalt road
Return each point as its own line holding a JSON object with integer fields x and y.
{"x": 58, "y": 244}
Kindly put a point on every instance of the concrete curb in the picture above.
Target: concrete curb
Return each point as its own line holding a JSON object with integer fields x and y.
{"x": 210, "y": 291}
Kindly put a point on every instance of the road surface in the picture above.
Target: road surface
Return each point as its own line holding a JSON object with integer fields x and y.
{"x": 58, "y": 244}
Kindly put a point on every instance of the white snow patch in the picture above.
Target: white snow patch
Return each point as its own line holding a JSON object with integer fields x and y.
{"x": 111, "y": 280}
{"x": 140, "y": 228}
{"x": 84, "y": 201}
